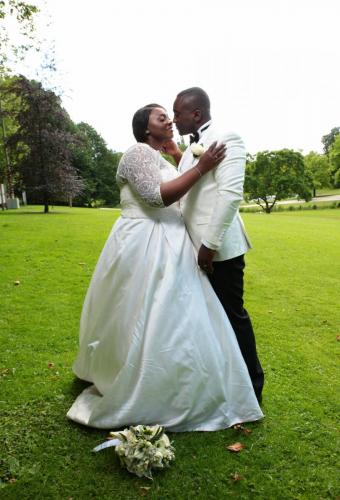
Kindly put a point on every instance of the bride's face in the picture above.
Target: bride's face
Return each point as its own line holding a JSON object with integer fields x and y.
{"x": 160, "y": 125}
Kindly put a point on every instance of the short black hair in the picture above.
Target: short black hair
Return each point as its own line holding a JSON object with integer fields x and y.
{"x": 140, "y": 121}
{"x": 199, "y": 98}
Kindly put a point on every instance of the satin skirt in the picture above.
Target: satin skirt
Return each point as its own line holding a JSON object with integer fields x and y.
{"x": 155, "y": 342}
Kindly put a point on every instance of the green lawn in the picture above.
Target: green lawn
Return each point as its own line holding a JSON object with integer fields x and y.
{"x": 327, "y": 191}
{"x": 292, "y": 294}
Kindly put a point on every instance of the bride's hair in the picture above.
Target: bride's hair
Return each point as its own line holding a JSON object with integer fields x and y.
{"x": 140, "y": 121}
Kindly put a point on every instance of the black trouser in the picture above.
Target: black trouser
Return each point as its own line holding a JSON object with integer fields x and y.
{"x": 227, "y": 281}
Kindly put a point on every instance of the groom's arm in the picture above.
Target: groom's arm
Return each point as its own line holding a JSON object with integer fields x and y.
{"x": 229, "y": 177}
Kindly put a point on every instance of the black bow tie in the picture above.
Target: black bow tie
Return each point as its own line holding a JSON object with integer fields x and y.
{"x": 195, "y": 137}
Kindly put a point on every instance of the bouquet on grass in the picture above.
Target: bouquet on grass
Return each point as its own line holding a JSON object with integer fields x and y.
{"x": 141, "y": 449}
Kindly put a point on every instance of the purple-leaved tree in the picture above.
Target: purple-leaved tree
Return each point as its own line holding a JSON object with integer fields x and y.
{"x": 46, "y": 138}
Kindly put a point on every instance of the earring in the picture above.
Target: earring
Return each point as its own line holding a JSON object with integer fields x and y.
{"x": 147, "y": 132}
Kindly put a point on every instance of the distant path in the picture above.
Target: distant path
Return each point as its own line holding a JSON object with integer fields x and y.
{"x": 103, "y": 208}
{"x": 333, "y": 197}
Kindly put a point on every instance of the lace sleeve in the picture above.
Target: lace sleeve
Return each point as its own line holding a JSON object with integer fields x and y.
{"x": 140, "y": 168}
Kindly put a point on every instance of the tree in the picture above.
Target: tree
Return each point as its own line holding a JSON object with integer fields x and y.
{"x": 45, "y": 138}
{"x": 16, "y": 30}
{"x": 317, "y": 168}
{"x": 108, "y": 190}
{"x": 328, "y": 139}
{"x": 8, "y": 159}
{"x": 275, "y": 175}
{"x": 334, "y": 158}
{"x": 97, "y": 165}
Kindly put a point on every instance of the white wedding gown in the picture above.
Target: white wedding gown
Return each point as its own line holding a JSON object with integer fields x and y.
{"x": 154, "y": 340}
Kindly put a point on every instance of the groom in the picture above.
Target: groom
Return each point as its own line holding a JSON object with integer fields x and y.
{"x": 210, "y": 211}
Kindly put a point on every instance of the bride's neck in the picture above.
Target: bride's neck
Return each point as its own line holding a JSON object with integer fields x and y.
{"x": 154, "y": 143}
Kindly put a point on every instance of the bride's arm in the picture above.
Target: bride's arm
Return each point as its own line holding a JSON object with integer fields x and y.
{"x": 172, "y": 191}
{"x": 139, "y": 167}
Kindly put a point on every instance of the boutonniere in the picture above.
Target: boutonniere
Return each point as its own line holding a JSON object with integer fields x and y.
{"x": 197, "y": 150}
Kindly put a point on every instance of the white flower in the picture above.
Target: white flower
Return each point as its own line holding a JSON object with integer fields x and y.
{"x": 197, "y": 149}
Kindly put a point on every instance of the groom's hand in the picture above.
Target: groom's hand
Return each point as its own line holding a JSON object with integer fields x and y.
{"x": 205, "y": 257}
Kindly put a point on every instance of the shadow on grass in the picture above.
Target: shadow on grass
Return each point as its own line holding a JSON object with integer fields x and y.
{"x": 77, "y": 386}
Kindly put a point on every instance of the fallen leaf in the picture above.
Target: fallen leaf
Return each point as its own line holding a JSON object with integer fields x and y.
{"x": 50, "y": 365}
{"x": 235, "y": 477}
{"x": 12, "y": 480}
{"x": 144, "y": 490}
{"x": 236, "y": 447}
{"x": 16, "y": 283}
{"x": 338, "y": 337}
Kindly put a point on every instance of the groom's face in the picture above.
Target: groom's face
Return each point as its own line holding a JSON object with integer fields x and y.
{"x": 184, "y": 116}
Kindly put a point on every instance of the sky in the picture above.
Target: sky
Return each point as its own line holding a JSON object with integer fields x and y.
{"x": 270, "y": 67}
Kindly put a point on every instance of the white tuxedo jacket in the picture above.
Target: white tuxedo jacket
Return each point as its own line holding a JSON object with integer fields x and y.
{"x": 210, "y": 208}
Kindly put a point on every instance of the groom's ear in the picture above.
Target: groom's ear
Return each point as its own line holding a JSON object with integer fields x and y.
{"x": 197, "y": 115}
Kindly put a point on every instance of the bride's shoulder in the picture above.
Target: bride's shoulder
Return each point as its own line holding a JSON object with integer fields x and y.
{"x": 136, "y": 157}
{"x": 140, "y": 147}
{"x": 138, "y": 151}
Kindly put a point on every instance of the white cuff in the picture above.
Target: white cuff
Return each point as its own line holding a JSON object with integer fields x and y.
{"x": 209, "y": 245}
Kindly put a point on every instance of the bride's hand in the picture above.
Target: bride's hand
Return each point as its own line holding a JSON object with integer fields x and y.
{"x": 170, "y": 148}
{"x": 212, "y": 157}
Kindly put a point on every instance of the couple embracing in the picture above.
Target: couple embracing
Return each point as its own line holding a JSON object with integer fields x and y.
{"x": 164, "y": 336}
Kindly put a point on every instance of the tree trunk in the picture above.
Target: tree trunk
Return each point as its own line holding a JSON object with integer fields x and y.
{"x": 314, "y": 192}
{"x": 46, "y": 208}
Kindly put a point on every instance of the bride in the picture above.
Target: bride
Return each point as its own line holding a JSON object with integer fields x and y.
{"x": 155, "y": 342}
